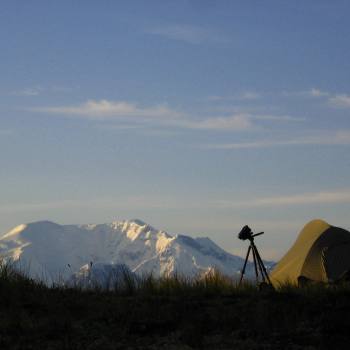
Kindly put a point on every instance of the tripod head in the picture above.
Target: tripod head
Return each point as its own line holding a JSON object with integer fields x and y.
{"x": 247, "y": 233}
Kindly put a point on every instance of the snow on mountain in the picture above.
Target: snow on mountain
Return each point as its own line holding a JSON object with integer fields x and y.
{"x": 55, "y": 252}
{"x": 105, "y": 276}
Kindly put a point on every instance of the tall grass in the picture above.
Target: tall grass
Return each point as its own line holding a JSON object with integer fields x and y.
{"x": 204, "y": 312}
{"x": 11, "y": 274}
{"x": 210, "y": 284}
{"x": 213, "y": 284}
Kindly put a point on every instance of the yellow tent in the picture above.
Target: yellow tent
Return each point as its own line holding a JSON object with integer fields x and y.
{"x": 321, "y": 253}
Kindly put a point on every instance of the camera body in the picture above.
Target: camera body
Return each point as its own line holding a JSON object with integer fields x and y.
{"x": 246, "y": 233}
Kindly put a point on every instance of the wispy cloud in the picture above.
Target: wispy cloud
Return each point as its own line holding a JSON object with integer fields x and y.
{"x": 159, "y": 115}
{"x": 341, "y": 137}
{"x": 216, "y": 98}
{"x": 104, "y": 109}
{"x": 317, "y": 198}
{"x": 247, "y": 95}
{"x": 313, "y": 92}
{"x": 334, "y": 100}
{"x": 163, "y": 202}
{"x": 280, "y": 118}
{"x": 41, "y": 89}
{"x": 30, "y": 91}
{"x": 340, "y": 101}
{"x": 235, "y": 122}
{"x": 188, "y": 33}
{"x": 63, "y": 89}
{"x": 123, "y": 202}
{"x": 317, "y": 93}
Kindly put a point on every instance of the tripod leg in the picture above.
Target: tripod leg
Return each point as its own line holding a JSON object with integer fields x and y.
{"x": 259, "y": 263}
{"x": 255, "y": 265}
{"x": 245, "y": 264}
{"x": 262, "y": 267}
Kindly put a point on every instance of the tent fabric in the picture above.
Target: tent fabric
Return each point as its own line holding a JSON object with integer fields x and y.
{"x": 321, "y": 253}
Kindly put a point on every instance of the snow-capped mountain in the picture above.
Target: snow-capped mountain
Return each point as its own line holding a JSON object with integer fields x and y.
{"x": 55, "y": 252}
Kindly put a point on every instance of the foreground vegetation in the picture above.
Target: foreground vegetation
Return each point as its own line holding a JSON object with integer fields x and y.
{"x": 171, "y": 313}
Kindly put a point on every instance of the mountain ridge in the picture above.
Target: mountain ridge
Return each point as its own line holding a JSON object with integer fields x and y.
{"x": 54, "y": 250}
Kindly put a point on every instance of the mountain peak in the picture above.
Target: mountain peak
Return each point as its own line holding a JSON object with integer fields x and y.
{"x": 36, "y": 225}
{"x": 138, "y": 222}
{"x": 43, "y": 223}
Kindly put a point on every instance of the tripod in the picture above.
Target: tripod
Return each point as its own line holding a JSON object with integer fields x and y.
{"x": 258, "y": 263}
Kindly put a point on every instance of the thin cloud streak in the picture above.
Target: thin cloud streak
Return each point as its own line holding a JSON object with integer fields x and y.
{"x": 316, "y": 198}
{"x": 156, "y": 202}
{"x": 332, "y": 139}
{"x": 340, "y": 101}
{"x": 104, "y": 109}
{"x": 247, "y": 95}
{"x": 334, "y": 100}
{"x": 313, "y": 92}
{"x": 235, "y": 122}
{"x": 281, "y": 118}
{"x": 42, "y": 89}
{"x": 159, "y": 115}
{"x": 190, "y": 34}
{"x": 318, "y": 93}
{"x": 31, "y": 91}
{"x": 119, "y": 202}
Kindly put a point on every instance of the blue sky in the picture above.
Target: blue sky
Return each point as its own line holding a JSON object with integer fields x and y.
{"x": 196, "y": 116}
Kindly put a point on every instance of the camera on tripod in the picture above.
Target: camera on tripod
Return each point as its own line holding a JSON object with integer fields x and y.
{"x": 247, "y": 233}
{"x": 259, "y": 267}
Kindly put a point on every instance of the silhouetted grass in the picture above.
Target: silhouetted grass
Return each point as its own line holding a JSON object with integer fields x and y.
{"x": 173, "y": 312}
{"x": 211, "y": 284}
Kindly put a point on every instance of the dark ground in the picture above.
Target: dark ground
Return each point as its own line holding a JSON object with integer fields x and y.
{"x": 33, "y": 316}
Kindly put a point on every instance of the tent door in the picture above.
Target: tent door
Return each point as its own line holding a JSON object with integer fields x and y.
{"x": 336, "y": 260}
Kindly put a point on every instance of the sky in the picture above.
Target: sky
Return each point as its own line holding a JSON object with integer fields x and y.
{"x": 196, "y": 116}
